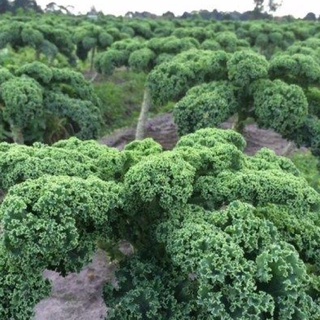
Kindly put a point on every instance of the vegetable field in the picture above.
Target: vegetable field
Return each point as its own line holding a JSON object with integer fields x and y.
{"x": 213, "y": 232}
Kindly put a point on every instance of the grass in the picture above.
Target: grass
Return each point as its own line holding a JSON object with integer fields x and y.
{"x": 308, "y": 165}
{"x": 121, "y": 95}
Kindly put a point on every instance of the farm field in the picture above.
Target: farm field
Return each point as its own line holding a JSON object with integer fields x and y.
{"x": 78, "y": 296}
{"x": 159, "y": 167}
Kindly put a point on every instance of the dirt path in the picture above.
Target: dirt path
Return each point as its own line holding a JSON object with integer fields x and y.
{"x": 78, "y": 296}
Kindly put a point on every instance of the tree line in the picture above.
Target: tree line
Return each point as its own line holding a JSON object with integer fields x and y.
{"x": 14, "y": 6}
{"x": 260, "y": 10}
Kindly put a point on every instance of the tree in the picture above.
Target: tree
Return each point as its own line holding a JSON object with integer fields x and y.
{"x": 272, "y": 5}
{"x": 168, "y": 15}
{"x": 258, "y": 5}
{"x": 26, "y": 5}
{"x": 52, "y": 7}
{"x": 310, "y": 17}
{"x": 4, "y": 6}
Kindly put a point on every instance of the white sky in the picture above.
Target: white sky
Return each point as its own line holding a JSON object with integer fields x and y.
{"x": 296, "y": 8}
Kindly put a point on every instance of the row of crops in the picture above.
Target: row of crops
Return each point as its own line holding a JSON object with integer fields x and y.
{"x": 217, "y": 234}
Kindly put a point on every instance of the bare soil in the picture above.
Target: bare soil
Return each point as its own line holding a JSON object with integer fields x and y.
{"x": 79, "y": 296}
{"x": 163, "y": 130}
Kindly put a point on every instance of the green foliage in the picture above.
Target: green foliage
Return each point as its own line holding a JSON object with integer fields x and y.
{"x": 236, "y": 254}
{"x": 114, "y": 32}
{"x": 244, "y": 67}
{"x": 104, "y": 162}
{"x": 127, "y": 46}
{"x": 89, "y": 43}
{"x": 67, "y": 157}
{"x": 17, "y": 283}
{"x": 211, "y": 138}
{"x": 23, "y": 98}
{"x": 142, "y": 60}
{"x": 308, "y": 135}
{"x": 64, "y": 215}
{"x": 141, "y": 29}
{"x": 11, "y": 34}
{"x": 164, "y": 57}
{"x": 32, "y": 37}
{"x": 280, "y": 106}
{"x": 227, "y": 41}
{"x": 36, "y": 96}
{"x": 173, "y": 45}
{"x": 210, "y": 44}
{"x": 105, "y": 40}
{"x": 199, "y": 33}
{"x": 153, "y": 297}
{"x": 88, "y": 38}
{"x": 308, "y": 166}
{"x": 204, "y": 106}
{"x": 62, "y": 40}
{"x": 138, "y": 149}
{"x": 5, "y": 75}
{"x": 298, "y": 69}
{"x": 193, "y": 78}
{"x": 36, "y": 70}
{"x": 50, "y": 50}
{"x": 73, "y": 83}
{"x": 313, "y": 97}
{"x": 107, "y": 61}
{"x": 170, "y": 80}
{"x": 216, "y": 234}
{"x": 172, "y": 176}
{"x": 84, "y": 117}
{"x": 120, "y": 97}
{"x": 41, "y": 37}
{"x": 309, "y": 47}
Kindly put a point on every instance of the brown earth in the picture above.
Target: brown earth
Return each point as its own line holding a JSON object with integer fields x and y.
{"x": 78, "y": 296}
{"x": 163, "y": 130}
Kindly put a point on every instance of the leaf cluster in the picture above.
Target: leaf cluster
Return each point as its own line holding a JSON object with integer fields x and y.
{"x": 216, "y": 234}
{"x": 36, "y": 94}
{"x": 280, "y": 94}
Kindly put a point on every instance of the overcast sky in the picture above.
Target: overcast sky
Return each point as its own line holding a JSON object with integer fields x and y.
{"x": 121, "y": 7}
